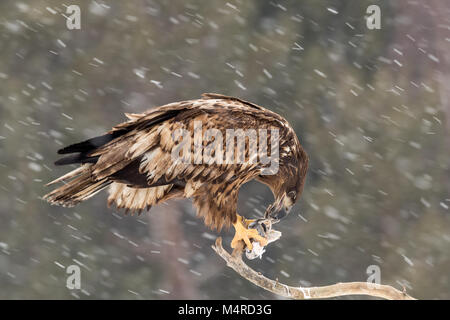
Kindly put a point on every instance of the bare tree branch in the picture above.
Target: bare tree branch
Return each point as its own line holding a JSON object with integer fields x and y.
{"x": 235, "y": 262}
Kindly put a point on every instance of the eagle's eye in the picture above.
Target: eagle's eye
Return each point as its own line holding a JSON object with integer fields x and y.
{"x": 292, "y": 195}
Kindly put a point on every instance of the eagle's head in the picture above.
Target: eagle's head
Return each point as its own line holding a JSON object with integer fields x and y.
{"x": 287, "y": 186}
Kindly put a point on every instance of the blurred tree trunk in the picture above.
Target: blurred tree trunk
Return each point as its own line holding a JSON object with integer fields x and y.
{"x": 440, "y": 12}
{"x": 165, "y": 227}
{"x": 425, "y": 38}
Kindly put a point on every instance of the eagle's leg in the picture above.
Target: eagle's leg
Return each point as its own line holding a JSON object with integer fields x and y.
{"x": 245, "y": 234}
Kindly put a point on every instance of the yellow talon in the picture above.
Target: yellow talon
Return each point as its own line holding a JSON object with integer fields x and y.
{"x": 245, "y": 234}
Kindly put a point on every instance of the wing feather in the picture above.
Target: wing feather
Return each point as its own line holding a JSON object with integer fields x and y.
{"x": 137, "y": 199}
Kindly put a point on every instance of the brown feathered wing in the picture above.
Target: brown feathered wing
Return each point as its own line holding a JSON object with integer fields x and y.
{"x": 142, "y": 149}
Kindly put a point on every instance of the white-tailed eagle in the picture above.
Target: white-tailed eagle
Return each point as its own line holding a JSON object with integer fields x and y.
{"x": 136, "y": 161}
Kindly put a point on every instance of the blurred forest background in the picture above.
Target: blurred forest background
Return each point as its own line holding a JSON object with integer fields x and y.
{"x": 371, "y": 107}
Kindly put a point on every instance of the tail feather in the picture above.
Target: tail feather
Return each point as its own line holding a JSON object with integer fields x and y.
{"x": 107, "y": 154}
{"x": 93, "y": 143}
{"x": 80, "y": 188}
{"x": 69, "y": 175}
{"x": 76, "y": 158}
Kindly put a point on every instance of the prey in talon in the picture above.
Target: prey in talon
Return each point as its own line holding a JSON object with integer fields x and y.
{"x": 244, "y": 232}
{"x": 264, "y": 228}
{"x": 255, "y": 235}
